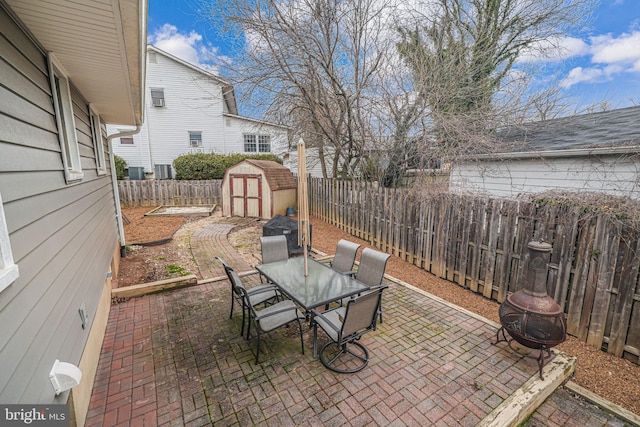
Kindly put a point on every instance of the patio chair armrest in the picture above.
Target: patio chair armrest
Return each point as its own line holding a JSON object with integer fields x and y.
{"x": 248, "y": 273}
{"x": 274, "y": 312}
{"x": 348, "y": 273}
{"x": 316, "y": 313}
{"x": 262, "y": 290}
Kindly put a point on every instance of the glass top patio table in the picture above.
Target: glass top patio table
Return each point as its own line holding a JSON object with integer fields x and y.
{"x": 322, "y": 286}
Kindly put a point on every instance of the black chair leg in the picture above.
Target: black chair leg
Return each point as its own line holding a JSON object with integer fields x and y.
{"x": 301, "y": 340}
{"x": 258, "y": 349}
{"x": 315, "y": 340}
{"x": 343, "y": 350}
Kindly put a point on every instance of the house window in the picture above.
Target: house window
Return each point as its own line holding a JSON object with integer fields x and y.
{"x": 63, "y": 108}
{"x": 157, "y": 97}
{"x": 8, "y": 270}
{"x": 98, "y": 144}
{"x": 250, "y": 144}
{"x": 125, "y": 140}
{"x": 195, "y": 139}
{"x": 264, "y": 143}
{"x": 152, "y": 57}
{"x": 257, "y": 143}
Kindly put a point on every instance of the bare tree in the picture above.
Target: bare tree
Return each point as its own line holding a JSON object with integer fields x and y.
{"x": 461, "y": 54}
{"x": 382, "y": 86}
{"x": 315, "y": 60}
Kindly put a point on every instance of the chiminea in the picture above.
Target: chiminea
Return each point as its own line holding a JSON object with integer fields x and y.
{"x": 530, "y": 315}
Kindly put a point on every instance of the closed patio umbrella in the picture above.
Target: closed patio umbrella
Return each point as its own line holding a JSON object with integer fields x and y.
{"x": 303, "y": 204}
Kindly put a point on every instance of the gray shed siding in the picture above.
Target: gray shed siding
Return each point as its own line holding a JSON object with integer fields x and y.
{"x": 63, "y": 237}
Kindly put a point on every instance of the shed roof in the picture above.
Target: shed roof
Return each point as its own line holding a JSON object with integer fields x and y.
{"x": 279, "y": 177}
{"x": 607, "y": 129}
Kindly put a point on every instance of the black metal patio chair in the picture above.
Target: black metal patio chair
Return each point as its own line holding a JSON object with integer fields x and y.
{"x": 260, "y": 294}
{"x": 371, "y": 270}
{"x": 273, "y": 248}
{"x": 345, "y": 326}
{"x": 270, "y": 318}
{"x": 345, "y": 256}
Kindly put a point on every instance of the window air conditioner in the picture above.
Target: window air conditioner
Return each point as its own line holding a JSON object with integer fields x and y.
{"x": 195, "y": 142}
{"x": 158, "y": 102}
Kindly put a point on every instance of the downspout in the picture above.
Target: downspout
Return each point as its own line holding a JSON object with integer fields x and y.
{"x": 114, "y": 184}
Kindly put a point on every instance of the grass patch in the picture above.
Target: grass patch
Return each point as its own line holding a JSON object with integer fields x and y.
{"x": 176, "y": 269}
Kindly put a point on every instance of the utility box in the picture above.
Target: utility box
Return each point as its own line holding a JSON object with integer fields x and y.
{"x": 281, "y": 225}
{"x": 136, "y": 173}
{"x": 162, "y": 172}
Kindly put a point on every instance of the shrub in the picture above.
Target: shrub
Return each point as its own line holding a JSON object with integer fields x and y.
{"x": 121, "y": 165}
{"x": 212, "y": 166}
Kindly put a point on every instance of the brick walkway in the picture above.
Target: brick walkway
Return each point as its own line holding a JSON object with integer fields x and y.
{"x": 175, "y": 358}
{"x": 211, "y": 241}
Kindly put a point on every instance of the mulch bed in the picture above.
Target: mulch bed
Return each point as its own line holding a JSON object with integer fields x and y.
{"x": 141, "y": 229}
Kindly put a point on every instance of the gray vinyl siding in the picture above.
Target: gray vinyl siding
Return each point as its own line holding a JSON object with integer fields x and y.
{"x": 62, "y": 236}
{"x": 617, "y": 175}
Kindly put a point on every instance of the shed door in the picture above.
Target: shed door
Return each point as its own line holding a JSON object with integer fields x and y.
{"x": 246, "y": 195}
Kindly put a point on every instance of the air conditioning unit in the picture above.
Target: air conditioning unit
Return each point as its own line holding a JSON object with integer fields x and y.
{"x": 195, "y": 142}
{"x": 158, "y": 102}
{"x": 136, "y": 173}
{"x": 163, "y": 171}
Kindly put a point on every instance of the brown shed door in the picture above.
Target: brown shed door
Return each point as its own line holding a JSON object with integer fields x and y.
{"x": 246, "y": 195}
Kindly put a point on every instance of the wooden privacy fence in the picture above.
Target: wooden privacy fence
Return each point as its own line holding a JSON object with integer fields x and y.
{"x": 156, "y": 192}
{"x": 480, "y": 243}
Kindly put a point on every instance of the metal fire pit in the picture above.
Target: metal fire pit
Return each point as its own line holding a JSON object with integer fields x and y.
{"x": 530, "y": 316}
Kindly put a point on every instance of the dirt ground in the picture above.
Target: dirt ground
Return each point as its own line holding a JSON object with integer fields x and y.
{"x": 613, "y": 378}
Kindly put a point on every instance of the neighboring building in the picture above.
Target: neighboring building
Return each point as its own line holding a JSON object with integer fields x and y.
{"x": 598, "y": 152}
{"x": 190, "y": 110}
{"x": 314, "y": 168}
{"x": 67, "y": 68}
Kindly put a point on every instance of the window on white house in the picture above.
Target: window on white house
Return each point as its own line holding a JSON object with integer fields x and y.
{"x": 195, "y": 139}
{"x": 250, "y": 143}
{"x": 63, "y": 108}
{"x": 257, "y": 143}
{"x": 152, "y": 57}
{"x": 264, "y": 143}
{"x": 157, "y": 97}
{"x": 8, "y": 270}
{"x": 98, "y": 144}
{"x": 126, "y": 140}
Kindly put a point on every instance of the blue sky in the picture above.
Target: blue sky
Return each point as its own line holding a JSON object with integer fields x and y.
{"x": 601, "y": 62}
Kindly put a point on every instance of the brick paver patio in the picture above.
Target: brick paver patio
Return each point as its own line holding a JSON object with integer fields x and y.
{"x": 175, "y": 358}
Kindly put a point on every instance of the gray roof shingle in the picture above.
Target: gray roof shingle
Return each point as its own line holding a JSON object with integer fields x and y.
{"x": 607, "y": 129}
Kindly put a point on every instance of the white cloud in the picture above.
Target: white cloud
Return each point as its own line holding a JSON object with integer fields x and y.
{"x": 554, "y": 49}
{"x": 608, "y": 49}
{"x": 610, "y": 56}
{"x": 579, "y": 75}
{"x": 188, "y": 47}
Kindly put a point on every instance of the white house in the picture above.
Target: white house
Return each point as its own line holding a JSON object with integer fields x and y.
{"x": 314, "y": 168}
{"x": 190, "y": 110}
{"x": 598, "y": 152}
{"x": 68, "y": 67}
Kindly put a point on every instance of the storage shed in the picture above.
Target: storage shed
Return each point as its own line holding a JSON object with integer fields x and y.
{"x": 258, "y": 188}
